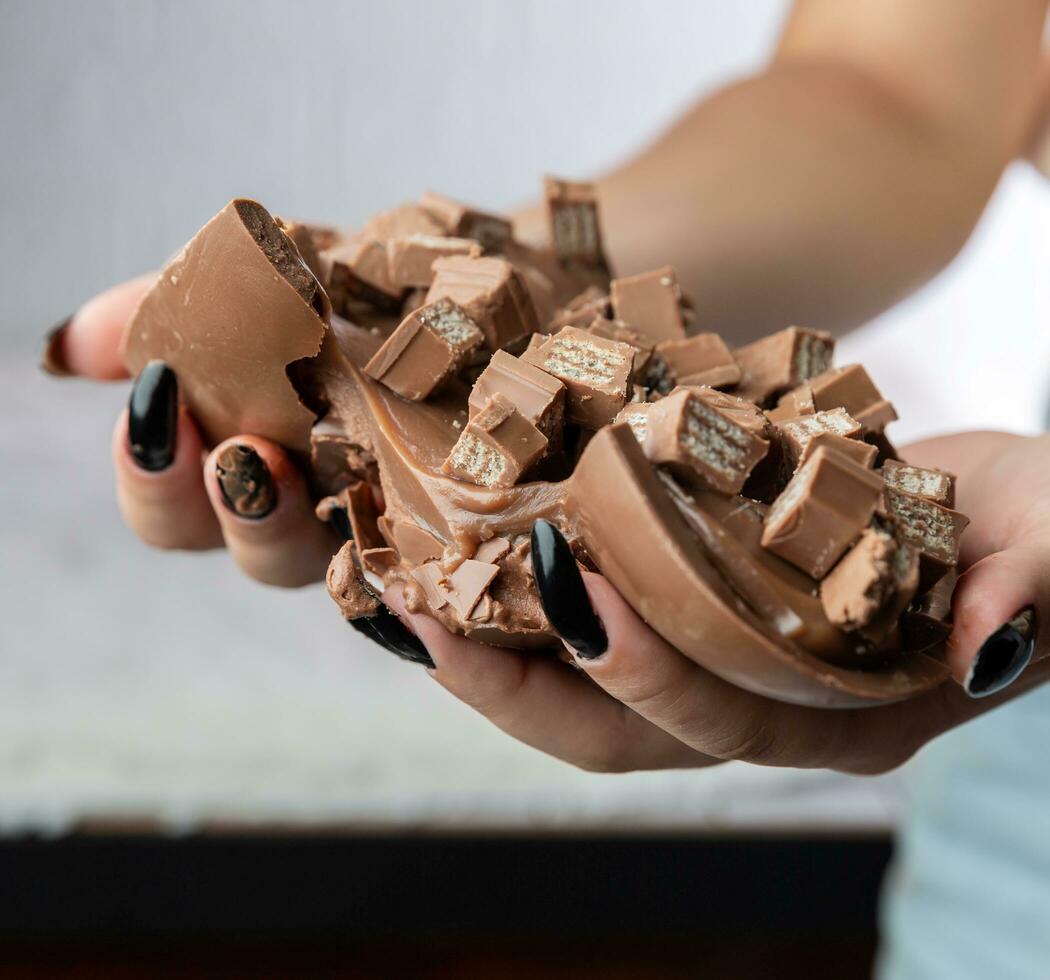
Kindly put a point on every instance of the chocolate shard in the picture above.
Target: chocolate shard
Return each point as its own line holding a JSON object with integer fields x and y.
{"x": 229, "y": 314}
{"x": 491, "y": 292}
{"x": 929, "y": 483}
{"x": 345, "y": 585}
{"x": 497, "y": 446}
{"x": 852, "y": 388}
{"x": 538, "y": 396}
{"x": 572, "y": 213}
{"x": 650, "y": 303}
{"x": 594, "y": 370}
{"x": 353, "y": 509}
{"x": 490, "y": 230}
{"x": 379, "y": 561}
{"x": 706, "y": 437}
{"x": 411, "y": 258}
{"x": 703, "y": 359}
{"x": 782, "y": 360}
{"x": 582, "y": 310}
{"x": 930, "y": 528}
{"x": 492, "y": 551}
{"x": 464, "y": 589}
{"x": 429, "y": 346}
{"x": 415, "y": 544}
{"x": 821, "y": 512}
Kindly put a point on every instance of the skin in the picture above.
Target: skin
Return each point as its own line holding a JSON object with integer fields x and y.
{"x": 841, "y": 178}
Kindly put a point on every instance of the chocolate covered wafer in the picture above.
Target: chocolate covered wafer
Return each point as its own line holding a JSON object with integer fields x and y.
{"x": 931, "y": 484}
{"x": 491, "y": 231}
{"x": 582, "y": 310}
{"x": 851, "y": 388}
{"x": 650, "y": 303}
{"x": 783, "y": 360}
{"x": 497, "y": 446}
{"x": 572, "y": 212}
{"x": 798, "y": 437}
{"x": 411, "y": 259}
{"x": 932, "y": 529}
{"x": 703, "y": 359}
{"x": 537, "y": 395}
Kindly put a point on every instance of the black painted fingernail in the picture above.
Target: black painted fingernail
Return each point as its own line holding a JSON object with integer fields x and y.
{"x": 152, "y": 415}
{"x": 391, "y": 634}
{"x": 1002, "y": 656}
{"x": 562, "y": 592}
{"x": 244, "y": 478}
{"x": 340, "y": 520}
{"x": 53, "y": 356}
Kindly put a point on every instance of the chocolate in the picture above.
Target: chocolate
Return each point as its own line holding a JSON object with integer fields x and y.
{"x": 594, "y": 370}
{"x": 428, "y": 347}
{"x": 572, "y": 213}
{"x": 305, "y": 239}
{"x": 346, "y": 586}
{"x": 851, "y": 388}
{"x": 415, "y": 544}
{"x": 928, "y": 621}
{"x": 703, "y": 359}
{"x": 492, "y": 551}
{"x": 582, "y": 310}
{"x": 650, "y": 303}
{"x": 359, "y": 272}
{"x": 932, "y": 529}
{"x": 537, "y": 395}
{"x": 930, "y": 484}
{"x": 821, "y": 512}
{"x": 782, "y": 360}
{"x": 492, "y": 294}
{"x": 491, "y": 231}
{"x": 410, "y": 259}
{"x": 497, "y": 447}
{"x": 705, "y": 437}
{"x": 618, "y": 330}
{"x": 229, "y": 314}
{"x": 798, "y": 437}
{"x": 798, "y": 401}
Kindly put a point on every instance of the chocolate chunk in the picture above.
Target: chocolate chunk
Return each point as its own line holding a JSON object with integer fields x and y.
{"x": 428, "y": 347}
{"x": 572, "y": 211}
{"x": 491, "y": 292}
{"x": 411, "y": 258}
{"x": 781, "y": 361}
{"x": 594, "y": 370}
{"x": 851, "y": 388}
{"x": 491, "y": 231}
{"x": 928, "y": 621}
{"x": 821, "y": 512}
{"x": 705, "y": 437}
{"x": 379, "y": 561}
{"x": 353, "y": 510}
{"x": 651, "y": 303}
{"x": 229, "y": 314}
{"x": 703, "y": 359}
{"x": 537, "y": 395}
{"x": 463, "y": 589}
{"x": 359, "y": 272}
{"x": 618, "y": 330}
{"x": 345, "y": 585}
{"x": 932, "y": 529}
{"x": 497, "y": 446}
{"x": 492, "y": 551}
{"x": 930, "y": 484}
{"x": 636, "y": 416}
{"x": 798, "y": 401}
{"x": 796, "y": 436}
{"x": 415, "y": 544}
{"x": 582, "y": 310}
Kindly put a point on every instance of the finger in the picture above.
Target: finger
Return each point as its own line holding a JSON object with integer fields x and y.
{"x": 545, "y": 703}
{"x": 265, "y": 512}
{"x": 156, "y": 456}
{"x": 88, "y": 343}
{"x": 997, "y": 607}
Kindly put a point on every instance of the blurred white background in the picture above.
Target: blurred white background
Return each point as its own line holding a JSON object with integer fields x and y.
{"x": 134, "y": 684}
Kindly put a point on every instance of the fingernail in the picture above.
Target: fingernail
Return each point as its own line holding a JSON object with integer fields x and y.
{"x": 340, "y": 520}
{"x": 563, "y": 594}
{"x": 390, "y": 633}
{"x": 1003, "y": 656}
{"x": 245, "y": 481}
{"x": 152, "y": 414}
{"x": 53, "y": 356}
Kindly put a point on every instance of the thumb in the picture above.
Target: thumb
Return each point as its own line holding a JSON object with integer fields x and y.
{"x": 997, "y": 607}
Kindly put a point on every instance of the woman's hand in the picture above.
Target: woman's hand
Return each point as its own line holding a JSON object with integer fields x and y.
{"x": 246, "y": 493}
{"x": 651, "y": 707}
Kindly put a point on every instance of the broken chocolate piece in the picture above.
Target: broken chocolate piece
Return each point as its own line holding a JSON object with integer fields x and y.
{"x": 797, "y": 435}
{"x": 427, "y": 349}
{"x": 491, "y": 292}
{"x": 821, "y": 512}
{"x": 414, "y": 543}
{"x": 379, "y": 561}
{"x": 798, "y": 401}
{"x": 650, "y": 303}
{"x": 851, "y": 388}
{"x": 572, "y": 211}
{"x": 491, "y": 231}
{"x": 497, "y": 446}
{"x": 594, "y": 370}
{"x": 618, "y": 330}
{"x": 537, "y": 395}
{"x": 346, "y": 586}
{"x": 411, "y": 258}
{"x": 705, "y": 437}
{"x": 492, "y": 551}
{"x": 358, "y": 271}
{"x": 931, "y": 484}
{"x": 932, "y": 529}
{"x": 703, "y": 359}
{"x": 781, "y": 361}
{"x": 306, "y": 239}
{"x": 582, "y": 310}
{"x": 928, "y": 621}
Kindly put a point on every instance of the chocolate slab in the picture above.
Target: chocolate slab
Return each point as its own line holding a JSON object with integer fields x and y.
{"x": 650, "y": 303}
{"x": 782, "y": 360}
{"x": 572, "y": 214}
{"x": 230, "y": 313}
{"x": 411, "y": 259}
{"x": 703, "y": 359}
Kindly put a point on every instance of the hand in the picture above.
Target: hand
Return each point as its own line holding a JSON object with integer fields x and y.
{"x": 643, "y": 705}
{"x": 246, "y": 493}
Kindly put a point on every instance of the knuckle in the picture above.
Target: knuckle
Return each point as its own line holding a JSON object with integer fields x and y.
{"x": 756, "y": 743}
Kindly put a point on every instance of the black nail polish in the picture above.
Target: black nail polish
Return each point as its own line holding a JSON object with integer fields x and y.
{"x": 562, "y": 592}
{"x": 340, "y": 520}
{"x": 390, "y": 633}
{"x": 245, "y": 481}
{"x": 53, "y": 356}
{"x": 152, "y": 415}
{"x": 1003, "y": 656}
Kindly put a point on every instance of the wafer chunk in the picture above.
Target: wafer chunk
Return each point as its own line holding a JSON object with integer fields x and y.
{"x": 821, "y": 512}
{"x": 852, "y": 388}
{"x": 618, "y": 330}
{"x": 497, "y": 446}
{"x": 705, "y": 437}
{"x": 781, "y": 361}
{"x": 703, "y": 359}
{"x": 650, "y": 303}
{"x": 572, "y": 212}
{"x": 931, "y": 484}
{"x": 410, "y": 259}
{"x": 537, "y": 395}
{"x": 636, "y": 416}
{"x": 798, "y": 437}
{"x": 491, "y": 292}
{"x": 594, "y": 370}
{"x": 491, "y": 231}
{"x": 932, "y": 529}
{"x": 429, "y": 346}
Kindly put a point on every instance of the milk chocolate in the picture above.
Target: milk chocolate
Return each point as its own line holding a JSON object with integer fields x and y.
{"x": 582, "y": 310}
{"x": 798, "y": 435}
{"x": 539, "y": 396}
{"x": 492, "y": 551}
{"x": 354, "y": 513}
{"x": 782, "y": 360}
{"x": 650, "y": 303}
{"x": 798, "y": 401}
{"x": 851, "y": 388}
{"x": 497, "y": 447}
{"x": 230, "y": 313}
{"x": 706, "y": 437}
{"x": 410, "y": 259}
{"x": 932, "y": 529}
{"x": 703, "y": 359}
{"x": 928, "y": 621}
{"x": 428, "y": 347}
{"x": 306, "y": 238}
{"x": 490, "y": 230}
{"x": 346, "y": 586}
{"x": 821, "y": 512}
{"x": 618, "y": 330}
{"x": 491, "y": 292}
{"x": 463, "y": 589}
{"x": 594, "y": 370}
{"x": 359, "y": 272}
{"x": 928, "y": 483}
{"x": 572, "y": 213}
{"x": 415, "y": 544}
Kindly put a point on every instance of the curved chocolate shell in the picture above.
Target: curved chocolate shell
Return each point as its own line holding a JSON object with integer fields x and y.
{"x": 641, "y": 544}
